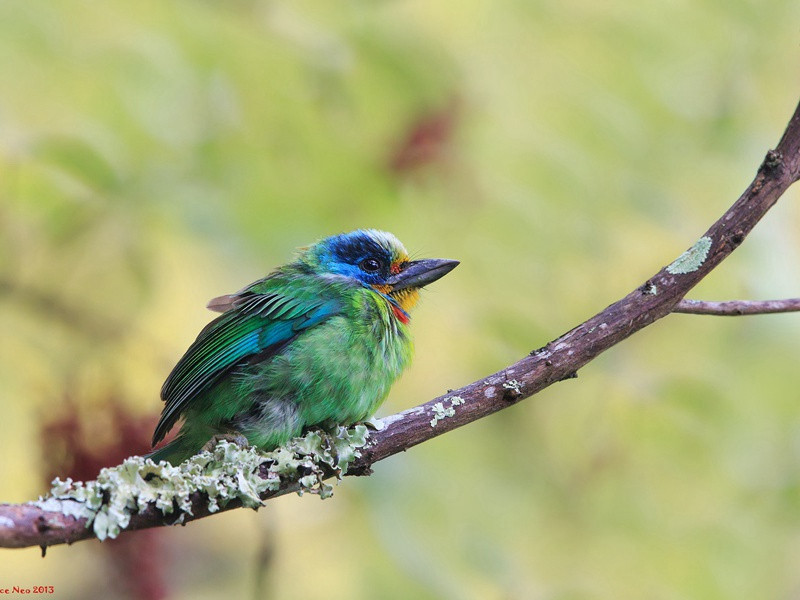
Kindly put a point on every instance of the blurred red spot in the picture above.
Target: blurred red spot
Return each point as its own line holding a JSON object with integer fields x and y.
{"x": 426, "y": 141}
{"x": 78, "y": 443}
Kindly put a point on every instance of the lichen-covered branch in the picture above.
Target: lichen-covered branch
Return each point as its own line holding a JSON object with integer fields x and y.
{"x": 304, "y": 463}
{"x": 735, "y": 308}
{"x": 139, "y": 493}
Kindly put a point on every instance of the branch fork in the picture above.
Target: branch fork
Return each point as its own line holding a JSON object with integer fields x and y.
{"x": 35, "y": 524}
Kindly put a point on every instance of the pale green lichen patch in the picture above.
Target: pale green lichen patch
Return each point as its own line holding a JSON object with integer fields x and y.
{"x": 440, "y": 411}
{"x": 228, "y": 472}
{"x": 376, "y": 423}
{"x": 692, "y": 259}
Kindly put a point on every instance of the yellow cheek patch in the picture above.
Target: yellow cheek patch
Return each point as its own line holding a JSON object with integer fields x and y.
{"x": 407, "y": 298}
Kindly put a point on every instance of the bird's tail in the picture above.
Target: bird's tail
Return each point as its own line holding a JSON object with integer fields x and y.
{"x": 177, "y": 451}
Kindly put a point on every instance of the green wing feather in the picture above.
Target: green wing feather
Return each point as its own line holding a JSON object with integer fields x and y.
{"x": 259, "y": 319}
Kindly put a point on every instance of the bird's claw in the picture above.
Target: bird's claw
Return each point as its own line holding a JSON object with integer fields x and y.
{"x": 234, "y": 437}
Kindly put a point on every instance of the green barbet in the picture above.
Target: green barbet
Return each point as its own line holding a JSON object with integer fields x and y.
{"x": 318, "y": 342}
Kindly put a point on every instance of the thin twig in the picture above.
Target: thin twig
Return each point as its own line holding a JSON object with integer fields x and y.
{"x": 735, "y": 308}
{"x": 27, "y": 525}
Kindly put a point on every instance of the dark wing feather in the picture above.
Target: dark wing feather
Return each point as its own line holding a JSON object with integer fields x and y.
{"x": 260, "y": 318}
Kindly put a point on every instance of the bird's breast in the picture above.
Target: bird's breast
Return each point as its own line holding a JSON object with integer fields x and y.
{"x": 341, "y": 370}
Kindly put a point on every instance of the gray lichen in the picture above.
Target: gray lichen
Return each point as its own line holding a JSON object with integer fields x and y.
{"x": 228, "y": 472}
{"x": 692, "y": 259}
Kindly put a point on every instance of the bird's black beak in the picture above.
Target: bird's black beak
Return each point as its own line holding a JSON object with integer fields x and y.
{"x": 419, "y": 273}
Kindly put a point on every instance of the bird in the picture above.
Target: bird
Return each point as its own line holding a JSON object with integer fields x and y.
{"x": 316, "y": 343}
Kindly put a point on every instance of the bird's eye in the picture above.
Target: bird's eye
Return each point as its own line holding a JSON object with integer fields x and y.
{"x": 371, "y": 265}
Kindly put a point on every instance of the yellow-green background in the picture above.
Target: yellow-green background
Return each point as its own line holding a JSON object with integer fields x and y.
{"x": 155, "y": 154}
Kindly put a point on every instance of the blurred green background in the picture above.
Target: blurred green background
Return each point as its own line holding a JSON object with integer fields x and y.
{"x": 156, "y": 154}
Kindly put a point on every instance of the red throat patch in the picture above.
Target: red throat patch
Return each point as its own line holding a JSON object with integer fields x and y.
{"x": 400, "y": 314}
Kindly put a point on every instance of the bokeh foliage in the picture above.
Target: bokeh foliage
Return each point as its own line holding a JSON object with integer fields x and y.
{"x": 156, "y": 154}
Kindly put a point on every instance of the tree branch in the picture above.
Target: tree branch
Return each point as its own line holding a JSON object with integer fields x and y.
{"x": 735, "y": 308}
{"x": 29, "y": 525}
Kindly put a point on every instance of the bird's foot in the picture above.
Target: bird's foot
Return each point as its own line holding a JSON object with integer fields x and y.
{"x": 234, "y": 437}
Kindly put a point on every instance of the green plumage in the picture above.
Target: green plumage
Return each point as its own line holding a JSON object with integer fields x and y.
{"x": 318, "y": 342}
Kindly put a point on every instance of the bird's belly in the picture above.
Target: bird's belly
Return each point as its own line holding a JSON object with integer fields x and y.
{"x": 336, "y": 372}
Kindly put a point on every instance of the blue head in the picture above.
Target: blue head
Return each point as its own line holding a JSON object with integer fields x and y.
{"x": 376, "y": 259}
{"x": 368, "y": 255}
